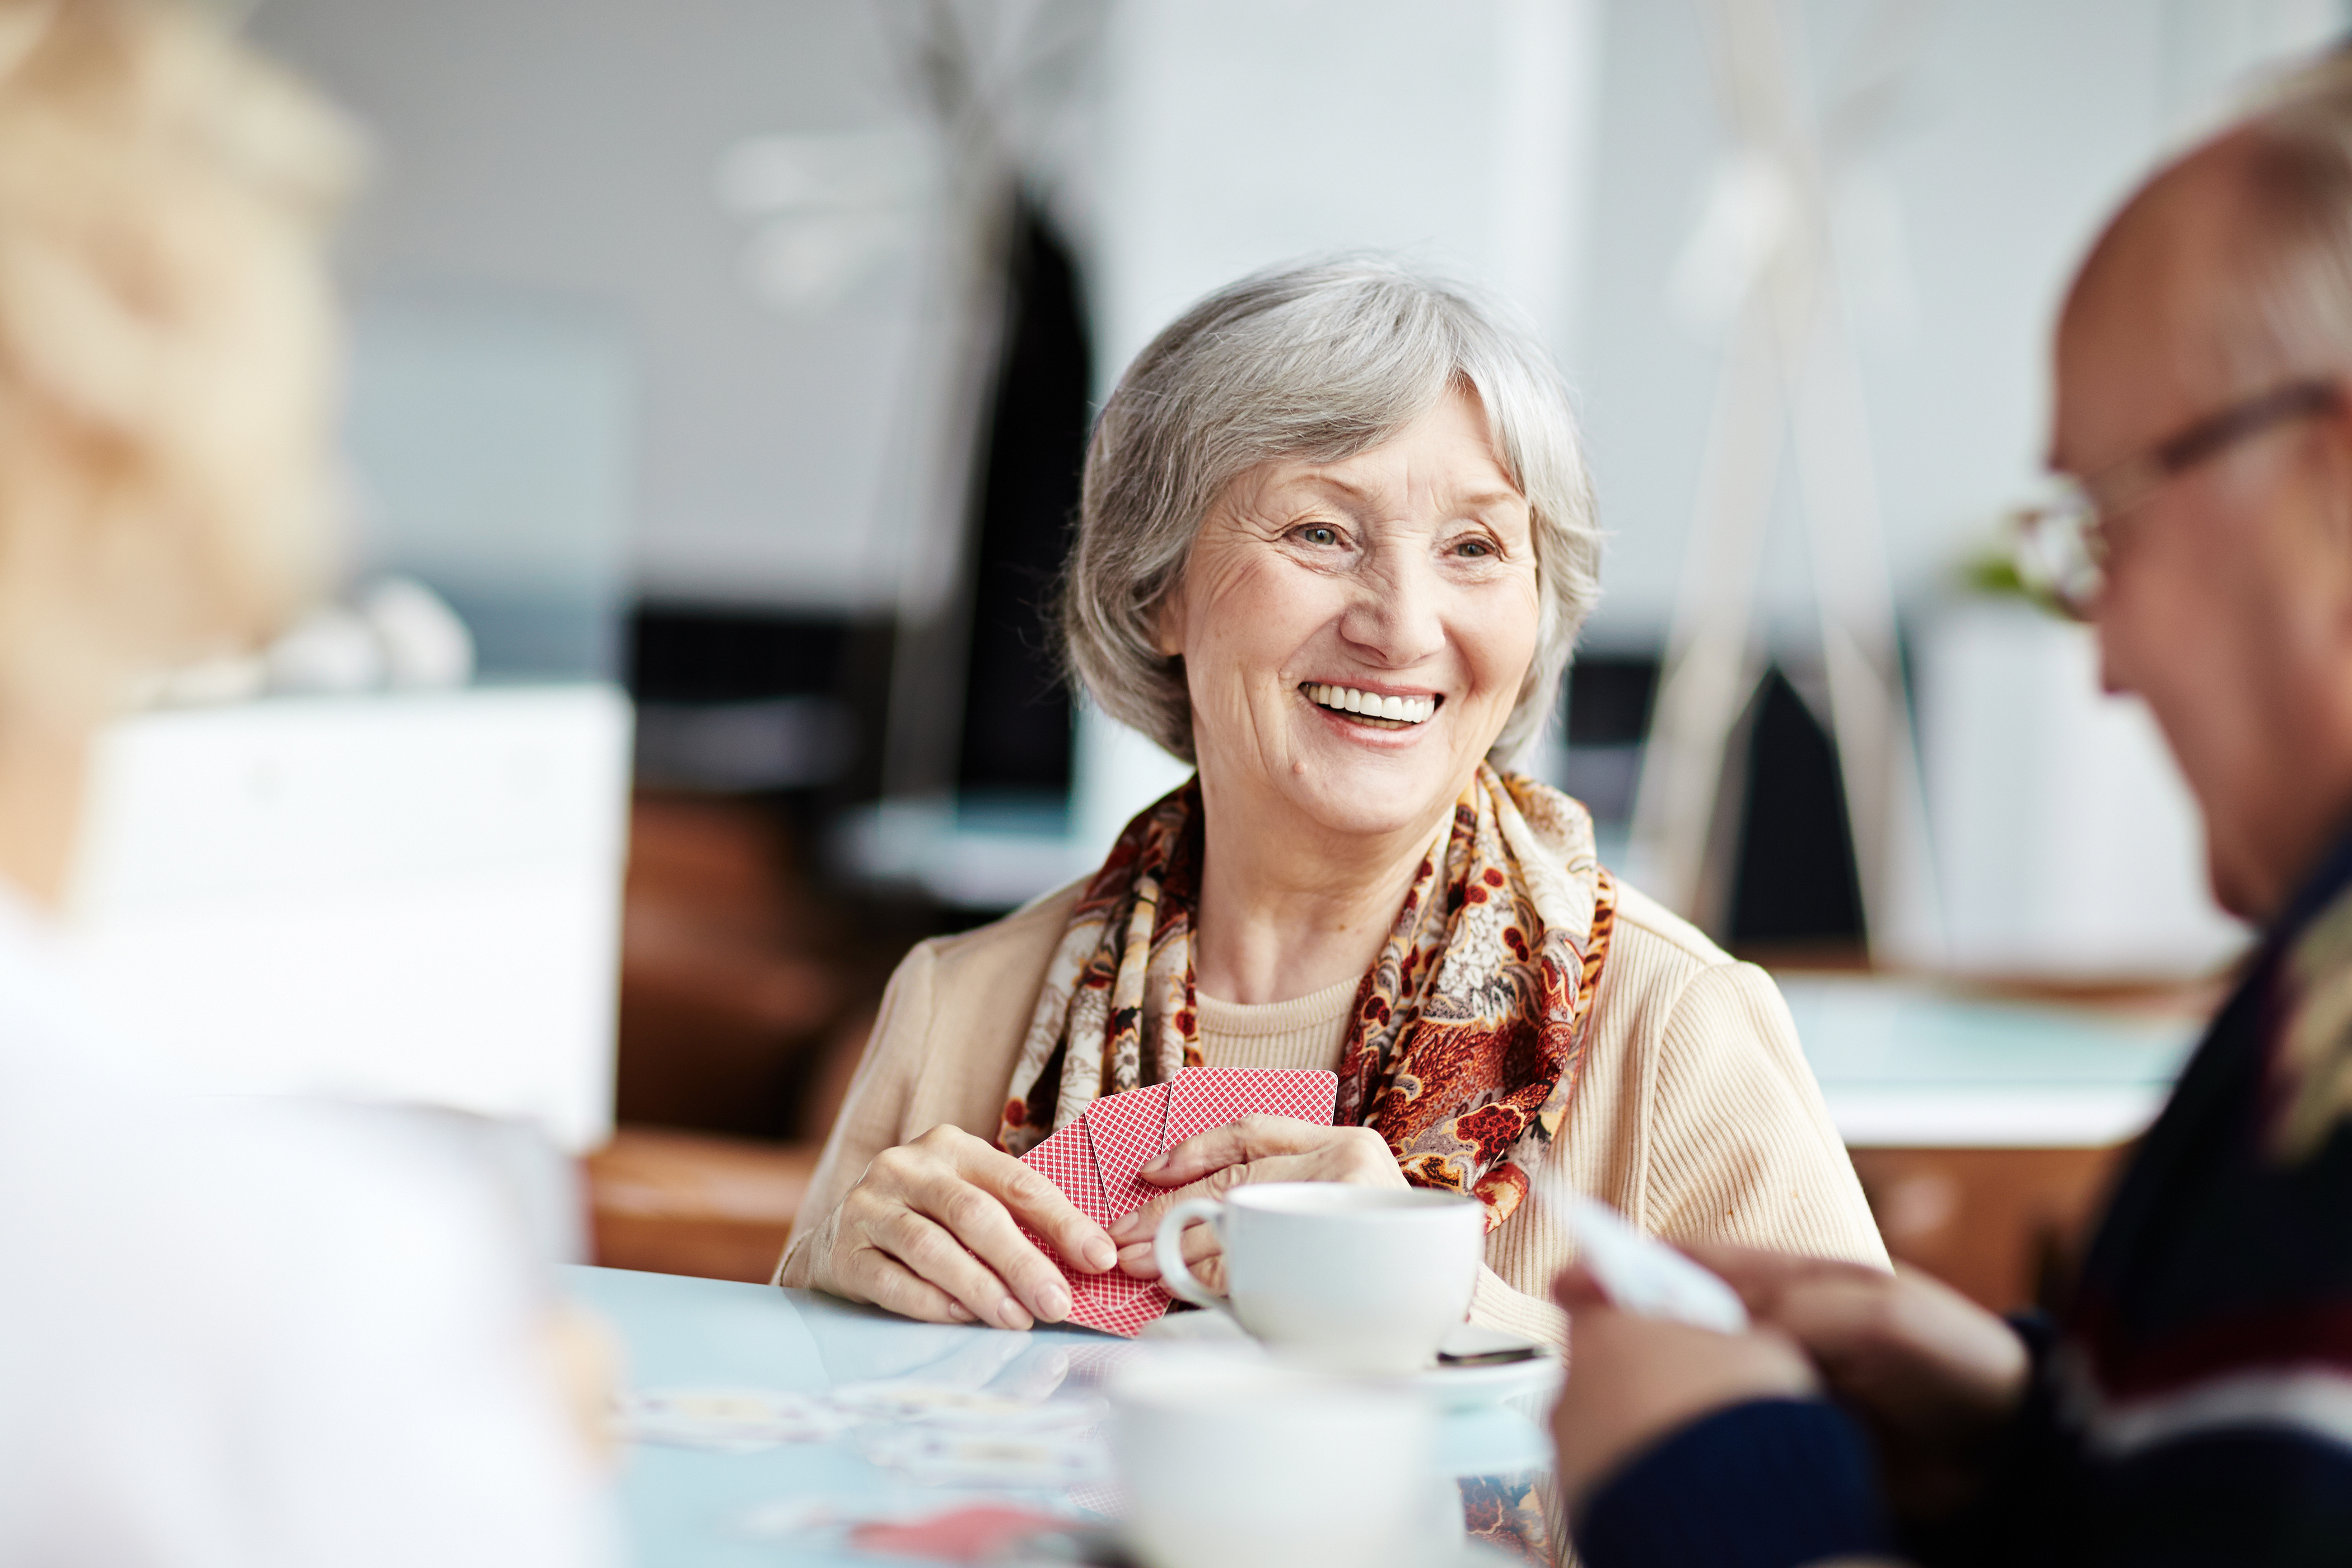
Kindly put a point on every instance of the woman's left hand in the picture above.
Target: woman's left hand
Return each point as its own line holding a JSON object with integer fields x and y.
{"x": 1255, "y": 1149}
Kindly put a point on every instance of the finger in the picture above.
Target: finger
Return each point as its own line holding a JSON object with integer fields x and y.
{"x": 976, "y": 1219}
{"x": 1251, "y": 1138}
{"x": 890, "y": 1285}
{"x": 934, "y": 1254}
{"x": 1140, "y": 1259}
{"x": 1576, "y": 1288}
{"x": 1045, "y": 1208}
{"x": 1762, "y": 1275}
{"x": 1141, "y": 1223}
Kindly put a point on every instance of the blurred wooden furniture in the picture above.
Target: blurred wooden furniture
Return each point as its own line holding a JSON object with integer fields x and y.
{"x": 2004, "y": 1226}
{"x": 666, "y": 1202}
{"x": 731, "y": 988}
{"x": 1986, "y": 1124}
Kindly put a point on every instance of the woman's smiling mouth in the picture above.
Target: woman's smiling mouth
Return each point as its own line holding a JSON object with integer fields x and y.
{"x": 1371, "y": 708}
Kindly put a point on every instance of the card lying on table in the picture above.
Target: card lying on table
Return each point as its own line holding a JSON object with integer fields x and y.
{"x": 1096, "y": 1159}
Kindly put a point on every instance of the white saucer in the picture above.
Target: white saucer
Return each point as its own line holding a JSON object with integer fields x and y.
{"x": 1450, "y": 1388}
{"x": 1477, "y": 1387}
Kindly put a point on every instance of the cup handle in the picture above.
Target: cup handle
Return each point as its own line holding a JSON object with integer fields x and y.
{"x": 1168, "y": 1251}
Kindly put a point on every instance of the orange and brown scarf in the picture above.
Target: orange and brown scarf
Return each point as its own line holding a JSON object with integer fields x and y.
{"x": 1468, "y": 1030}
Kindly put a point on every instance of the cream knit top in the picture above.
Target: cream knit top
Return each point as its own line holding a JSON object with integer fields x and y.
{"x": 1304, "y": 1032}
{"x": 1694, "y": 1115}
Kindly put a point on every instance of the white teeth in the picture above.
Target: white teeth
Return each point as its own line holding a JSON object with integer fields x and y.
{"x": 1401, "y": 710}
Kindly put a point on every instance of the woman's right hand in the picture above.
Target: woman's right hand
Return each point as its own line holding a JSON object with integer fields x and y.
{"x": 900, "y": 1237}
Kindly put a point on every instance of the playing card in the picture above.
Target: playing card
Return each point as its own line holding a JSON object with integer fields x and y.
{"x": 1025, "y": 1461}
{"x": 1645, "y": 1277}
{"x": 726, "y": 1420}
{"x": 1066, "y": 1160}
{"x": 972, "y": 1532}
{"x": 1202, "y": 1099}
{"x": 1124, "y": 1130}
{"x": 1113, "y": 1302}
{"x": 905, "y": 1402}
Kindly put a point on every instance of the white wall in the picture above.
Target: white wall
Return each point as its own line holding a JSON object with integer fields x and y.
{"x": 1240, "y": 132}
{"x": 566, "y": 149}
{"x": 2022, "y": 125}
{"x": 564, "y": 153}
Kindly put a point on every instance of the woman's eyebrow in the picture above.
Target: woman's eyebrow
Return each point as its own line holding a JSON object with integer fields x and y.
{"x": 1501, "y": 495}
{"x": 1491, "y": 498}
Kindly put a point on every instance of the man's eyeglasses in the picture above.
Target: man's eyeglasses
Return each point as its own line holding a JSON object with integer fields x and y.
{"x": 2060, "y": 544}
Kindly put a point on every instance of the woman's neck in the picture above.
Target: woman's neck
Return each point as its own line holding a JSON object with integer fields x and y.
{"x": 1289, "y": 910}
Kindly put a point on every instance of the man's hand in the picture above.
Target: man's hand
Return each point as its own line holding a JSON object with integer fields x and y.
{"x": 900, "y": 1237}
{"x": 1931, "y": 1373}
{"x": 1633, "y": 1381}
{"x": 1255, "y": 1149}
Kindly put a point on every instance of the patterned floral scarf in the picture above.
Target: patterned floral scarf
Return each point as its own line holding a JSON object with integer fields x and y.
{"x": 1469, "y": 1031}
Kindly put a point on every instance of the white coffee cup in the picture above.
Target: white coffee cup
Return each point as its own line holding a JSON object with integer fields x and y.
{"x": 1227, "y": 1462}
{"x": 1365, "y": 1280}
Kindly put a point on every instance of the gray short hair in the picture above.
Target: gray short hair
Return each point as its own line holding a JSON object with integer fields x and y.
{"x": 1315, "y": 361}
{"x": 2293, "y": 314}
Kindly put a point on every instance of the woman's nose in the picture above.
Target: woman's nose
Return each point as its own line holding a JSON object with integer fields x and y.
{"x": 1394, "y": 619}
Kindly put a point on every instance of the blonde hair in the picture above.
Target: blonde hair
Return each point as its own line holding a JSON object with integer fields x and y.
{"x": 1318, "y": 359}
{"x": 165, "y": 343}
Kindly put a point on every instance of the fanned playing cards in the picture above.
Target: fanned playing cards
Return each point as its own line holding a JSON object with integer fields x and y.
{"x": 1096, "y": 1160}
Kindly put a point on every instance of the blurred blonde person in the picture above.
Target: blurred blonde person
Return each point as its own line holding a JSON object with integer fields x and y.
{"x": 233, "y": 1333}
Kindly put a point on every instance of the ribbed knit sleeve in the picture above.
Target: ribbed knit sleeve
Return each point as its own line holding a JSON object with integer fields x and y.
{"x": 1741, "y": 1148}
{"x": 1695, "y": 1115}
{"x": 872, "y": 1114}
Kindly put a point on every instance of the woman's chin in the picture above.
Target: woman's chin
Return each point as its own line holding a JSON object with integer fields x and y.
{"x": 1375, "y": 796}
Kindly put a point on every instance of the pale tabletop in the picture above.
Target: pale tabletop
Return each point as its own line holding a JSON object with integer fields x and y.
{"x": 1907, "y": 1063}
{"x": 683, "y": 1507}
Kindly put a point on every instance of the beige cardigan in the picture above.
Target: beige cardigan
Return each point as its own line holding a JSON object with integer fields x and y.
{"x": 1697, "y": 1116}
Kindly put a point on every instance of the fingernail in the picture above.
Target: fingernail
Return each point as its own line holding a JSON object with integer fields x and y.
{"x": 1012, "y": 1315}
{"x": 1101, "y": 1252}
{"x": 1138, "y": 1261}
{"x": 959, "y": 1312}
{"x": 1156, "y": 1166}
{"x": 1055, "y": 1302}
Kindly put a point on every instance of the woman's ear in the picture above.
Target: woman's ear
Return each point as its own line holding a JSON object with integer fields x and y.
{"x": 1168, "y": 621}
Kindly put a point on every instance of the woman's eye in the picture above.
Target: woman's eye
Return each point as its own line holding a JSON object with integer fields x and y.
{"x": 1474, "y": 547}
{"x": 1320, "y": 534}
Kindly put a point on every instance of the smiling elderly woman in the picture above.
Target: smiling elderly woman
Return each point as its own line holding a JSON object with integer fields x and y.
{"x": 1336, "y": 543}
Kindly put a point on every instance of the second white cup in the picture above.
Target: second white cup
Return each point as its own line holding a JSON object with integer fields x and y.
{"x": 1365, "y": 1280}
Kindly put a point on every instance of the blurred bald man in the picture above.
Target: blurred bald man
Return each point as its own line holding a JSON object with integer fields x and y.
{"x": 2194, "y": 1406}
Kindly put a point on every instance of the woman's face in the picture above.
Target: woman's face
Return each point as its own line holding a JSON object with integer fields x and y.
{"x": 1403, "y": 576}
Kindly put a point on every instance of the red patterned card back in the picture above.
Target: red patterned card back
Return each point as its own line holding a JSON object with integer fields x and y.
{"x": 1201, "y": 1099}
{"x": 1117, "y": 1304}
{"x": 1124, "y": 1130}
{"x": 1111, "y": 1302}
{"x": 1068, "y": 1161}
